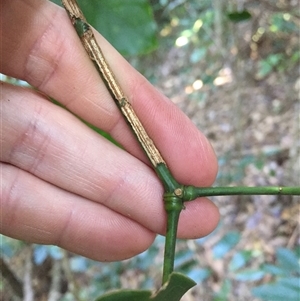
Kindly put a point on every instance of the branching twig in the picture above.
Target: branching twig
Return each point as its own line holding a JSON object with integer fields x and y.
{"x": 175, "y": 194}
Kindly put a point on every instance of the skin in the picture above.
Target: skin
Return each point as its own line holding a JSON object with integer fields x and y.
{"x": 62, "y": 183}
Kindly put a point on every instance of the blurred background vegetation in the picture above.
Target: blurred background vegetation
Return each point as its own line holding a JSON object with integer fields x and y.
{"x": 233, "y": 67}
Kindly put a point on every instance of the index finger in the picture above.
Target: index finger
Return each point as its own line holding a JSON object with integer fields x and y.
{"x": 50, "y": 52}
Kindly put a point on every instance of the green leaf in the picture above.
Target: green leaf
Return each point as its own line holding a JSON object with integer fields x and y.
{"x": 274, "y": 270}
{"x": 239, "y": 260}
{"x": 274, "y": 59}
{"x": 127, "y": 24}
{"x": 227, "y": 242}
{"x": 292, "y": 282}
{"x": 265, "y": 68}
{"x": 239, "y": 16}
{"x": 250, "y": 275}
{"x": 225, "y": 290}
{"x": 285, "y": 289}
{"x": 126, "y": 295}
{"x": 287, "y": 260}
{"x": 279, "y": 23}
{"x": 174, "y": 289}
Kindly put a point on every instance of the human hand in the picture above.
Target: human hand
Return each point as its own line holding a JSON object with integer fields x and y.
{"x": 64, "y": 184}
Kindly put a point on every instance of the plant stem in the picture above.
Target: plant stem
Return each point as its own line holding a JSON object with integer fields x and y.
{"x": 175, "y": 193}
{"x": 191, "y": 192}
{"x": 173, "y": 206}
{"x": 173, "y": 203}
{"x": 169, "y": 182}
{"x": 95, "y": 53}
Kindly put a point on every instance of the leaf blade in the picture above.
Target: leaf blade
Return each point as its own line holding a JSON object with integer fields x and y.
{"x": 174, "y": 289}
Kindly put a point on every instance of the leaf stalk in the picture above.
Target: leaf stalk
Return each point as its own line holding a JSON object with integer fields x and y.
{"x": 191, "y": 192}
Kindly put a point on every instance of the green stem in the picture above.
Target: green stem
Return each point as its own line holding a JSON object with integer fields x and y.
{"x": 175, "y": 193}
{"x": 173, "y": 206}
{"x": 178, "y": 194}
{"x": 190, "y": 192}
{"x": 170, "y": 184}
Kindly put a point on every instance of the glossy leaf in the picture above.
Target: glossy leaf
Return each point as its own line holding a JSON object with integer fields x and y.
{"x": 239, "y": 16}
{"x": 127, "y": 24}
{"x": 174, "y": 289}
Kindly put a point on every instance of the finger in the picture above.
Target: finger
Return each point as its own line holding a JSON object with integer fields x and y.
{"x": 41, "y": 46}
{"x": 53, "y": 145}
{"x": 36, "y": 211}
